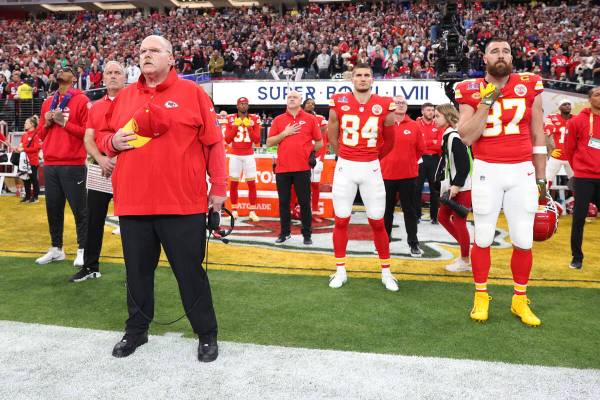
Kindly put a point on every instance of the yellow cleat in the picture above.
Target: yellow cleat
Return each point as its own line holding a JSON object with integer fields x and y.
{"x": 520, "y": 307}
{"x": 253, "y": 217}
{"x": 481, "y": 305}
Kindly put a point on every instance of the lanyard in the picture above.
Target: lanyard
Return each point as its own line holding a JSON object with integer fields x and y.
{"x": 63, "y": 102}
{"x": 591, "y": 124}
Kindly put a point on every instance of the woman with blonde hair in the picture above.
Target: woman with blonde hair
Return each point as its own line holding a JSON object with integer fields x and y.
{"x": 456, "y": 184}
{"x": 31, "y": 145}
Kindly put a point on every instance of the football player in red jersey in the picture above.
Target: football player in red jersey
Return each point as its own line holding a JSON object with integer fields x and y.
{"x": 555, "y": 128}
{"x": 501, "y": 117}
{"x": 355, "y": 128}
{"x": 243, "y": 129}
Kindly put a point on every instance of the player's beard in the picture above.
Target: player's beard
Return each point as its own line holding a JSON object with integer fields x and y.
{"x": 365, "y": 90}
{"x": 500, "y": 69}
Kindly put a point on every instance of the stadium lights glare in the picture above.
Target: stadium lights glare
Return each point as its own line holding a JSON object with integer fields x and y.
{"x": 115, "y": 6}
{"x": 185, "y": 4}
{"x": 61, "y": 8}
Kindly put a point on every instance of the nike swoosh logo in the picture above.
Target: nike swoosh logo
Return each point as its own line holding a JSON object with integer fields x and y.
{"x": 529, "y": 173}
{"x": 80, "y": 182}
{"x": 376, "y": 169}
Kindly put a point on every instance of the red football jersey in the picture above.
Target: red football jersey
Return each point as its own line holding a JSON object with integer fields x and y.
{"x": 507, "y": 136}
{"x": 323, "y": 150}
{"x": 556, "y": 125}
{"x": 361, "y": 125}
{"x": 242, "y": 133}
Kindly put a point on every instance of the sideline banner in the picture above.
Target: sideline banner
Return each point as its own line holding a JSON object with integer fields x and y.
{"x": 267, "y": 199}
{"x": 273, "y": 93}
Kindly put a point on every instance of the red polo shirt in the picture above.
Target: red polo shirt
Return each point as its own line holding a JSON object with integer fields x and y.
{"x": 294, "y": 150}
{"x": 583, "y": 158}
{"x": 432, "y": 136}
{"x": 400, "y": 162}
{"x": 168, "y": 174}
{"x": 32, "y": 144}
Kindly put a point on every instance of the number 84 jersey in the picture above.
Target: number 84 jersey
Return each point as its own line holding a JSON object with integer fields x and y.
{"x": 506, "y": 138}
{"x": 361, "y": 125}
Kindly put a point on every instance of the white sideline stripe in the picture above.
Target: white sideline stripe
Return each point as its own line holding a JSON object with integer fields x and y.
{"x": 52, "y": 362}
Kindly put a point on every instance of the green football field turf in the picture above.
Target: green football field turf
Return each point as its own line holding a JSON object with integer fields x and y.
{"x": 423, "y": 318}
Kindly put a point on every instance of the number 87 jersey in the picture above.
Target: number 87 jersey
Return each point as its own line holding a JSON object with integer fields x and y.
{"x": 506, "y": 138}
{"x": 361, "y": 125}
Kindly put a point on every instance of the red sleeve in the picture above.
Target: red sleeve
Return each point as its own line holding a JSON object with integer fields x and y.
{"x": 104, "y": 134}
{"x": 316, "y": 131}
{"x": 420, "y": 142}
{"x": 548, "y": 126}
{"x": 230, "y": 132}
{"x": 2, "y": 137}
{"x": 275, "y": 128}
{"x": 210, "y": 132}
{"x": 464, "y": 95}
{"x": 77, "y": 128}
{"x": 43, "y": 111}
{"x": 255, "y": 134}
{"x": 571, "y": 140}
{"x": 389, "y": 136}
{"x": 215, "y": 166}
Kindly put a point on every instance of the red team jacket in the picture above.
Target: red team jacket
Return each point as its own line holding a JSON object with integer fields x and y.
{"x": 64, "y": 146}
{"x": 584, "y": 159}
{"x": 432, "y": 137}
{"x": 361, "y": 125}
{"x": 402, "y": 152}
{"x": 556, "y": 126}
{"x": 168, "y": 174}
{"x": 293, "y": 151}
{"x": 32, "y": 143}
{"x": 507, "y": 137}
{"x": 321, "y": 121}
{"x": 242, "y": 136}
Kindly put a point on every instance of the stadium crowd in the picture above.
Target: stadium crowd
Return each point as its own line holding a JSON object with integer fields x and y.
{"x": 324, "y": 40}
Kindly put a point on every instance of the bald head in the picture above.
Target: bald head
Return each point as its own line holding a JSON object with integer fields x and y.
{"x": 165, "y": 44}
{"x": 156, "y": 59}
{"x": 294, "y": 100}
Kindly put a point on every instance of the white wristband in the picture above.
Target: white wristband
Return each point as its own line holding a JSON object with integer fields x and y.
{"x": 540, "y": 150}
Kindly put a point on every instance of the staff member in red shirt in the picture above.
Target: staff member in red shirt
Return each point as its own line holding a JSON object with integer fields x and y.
{"x": 97, "y": 201}
{"x": 63, "y": 119}
{"x": 31, "y": 144}
{"x": 583, "y": 151}
{"x": 293, "y": 133}
{"x": 315, "y": 177}
{"x": 432, "y": 137}
{"x": 160, "y": 190}
{"x": 402, "y": 148}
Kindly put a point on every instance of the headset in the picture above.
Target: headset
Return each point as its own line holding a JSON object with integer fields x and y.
{"x": 213, "y": 226}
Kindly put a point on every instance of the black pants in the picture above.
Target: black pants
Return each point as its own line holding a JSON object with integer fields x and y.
{"x": 301, "y": 182}
{"x": 97, "y": 205}
{"x": 427, "y": 172}
{"x": 406, "y": 189}
{"x": 586, "y": 191}
{"x": 32, "y": 181}
{"x": 66, "y": 182}
{"x": 183, "y": 237}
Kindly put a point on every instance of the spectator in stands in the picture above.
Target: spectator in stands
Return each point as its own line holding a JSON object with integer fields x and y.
{"x": 95, "y": 77}
{"x": 24, "y": 91}
{"x": 583, "y": 151}
{"x": 3, "y": 86}
{"x": 133, "y": 71}
{"x": 31, "y": 145}
{"x": 456, "y": 183}
{"x": 64, "y": 163}
{"x": 402, "y": 148}
{"x": 293, "y": 132}
{"x": 337, "y": 63}
{"x": 322, "y": 62}
{"x": 216, "y": 64}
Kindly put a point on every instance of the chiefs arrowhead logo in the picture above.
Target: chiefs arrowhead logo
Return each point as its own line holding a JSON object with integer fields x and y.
{"x": 171, "y": 104}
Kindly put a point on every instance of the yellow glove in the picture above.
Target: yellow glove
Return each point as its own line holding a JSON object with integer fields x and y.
{"x": 246, "y": 121}
{"x": 488, "y": 93}
{"x": 237, "y": 121}
{"x": 556, "y": 153}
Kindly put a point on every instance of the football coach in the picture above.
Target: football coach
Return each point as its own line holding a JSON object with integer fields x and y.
{"x": 165, "y": 132}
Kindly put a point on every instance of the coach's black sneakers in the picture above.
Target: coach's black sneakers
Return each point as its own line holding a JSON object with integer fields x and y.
{"x": 415, "y": 251}
{"x": 128, "y": 344}
{"x": 208, "y": 352}
{"x": 307, "y": 240}
{"x": 282, "y": 238}
{"x": 83, "y": 274}
{"x": 576, "y": 264}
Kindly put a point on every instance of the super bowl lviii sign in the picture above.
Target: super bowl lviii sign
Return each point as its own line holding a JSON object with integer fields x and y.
{"x": 274, "y": 93}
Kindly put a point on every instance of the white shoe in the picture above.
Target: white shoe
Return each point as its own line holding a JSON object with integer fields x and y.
{"x": 235, "y": 215}
{"x": 389, "y": 281}
{"x": 79, "y": 259}
{"x": 116, "y": 231}
{"x": 253, "y": 217}
{"x": 54, "y": 254}
{"x": 458, "y": 266}
{"x": 338, "y": 279}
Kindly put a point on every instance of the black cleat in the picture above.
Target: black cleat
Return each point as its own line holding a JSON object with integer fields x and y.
{"x": 208, "y": 352}
{"x": 128, "y": 344}
{"x": 576, "y": 265}
{"x": 84, "y": 274}
{"x": 307, "y": 240}
{"x": 282, "y": 238}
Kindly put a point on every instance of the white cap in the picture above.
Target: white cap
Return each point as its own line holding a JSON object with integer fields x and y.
{"x": 564, "y": 100}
